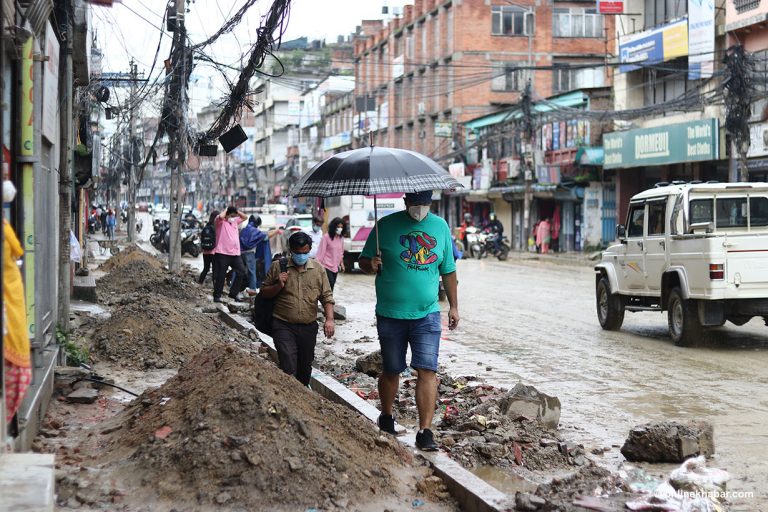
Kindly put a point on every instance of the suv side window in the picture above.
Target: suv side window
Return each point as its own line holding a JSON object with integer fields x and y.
{"x": 656, "y": 216}
{"x": 636, "y": 219}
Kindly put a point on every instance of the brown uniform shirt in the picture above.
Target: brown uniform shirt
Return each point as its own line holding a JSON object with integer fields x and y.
{"x": 297, "y": 301}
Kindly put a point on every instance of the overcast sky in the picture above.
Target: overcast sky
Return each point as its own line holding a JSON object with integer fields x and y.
{"x": 131, "y": 30}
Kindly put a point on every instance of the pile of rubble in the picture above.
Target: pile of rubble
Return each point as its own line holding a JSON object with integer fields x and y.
{"x": 231, "y": 430}
{"x": 134, "y": 274}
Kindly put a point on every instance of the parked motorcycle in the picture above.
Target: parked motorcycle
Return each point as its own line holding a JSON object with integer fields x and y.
{"x": 190, "y": 242}
{"x": 159, "y": 239}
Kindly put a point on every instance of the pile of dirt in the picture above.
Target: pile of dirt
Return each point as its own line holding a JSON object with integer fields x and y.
{"x": 135, "y": 274}
{"x": 231, "y": 430}
{"x": 154, "y": 332}
{"x": 129, "y": 256}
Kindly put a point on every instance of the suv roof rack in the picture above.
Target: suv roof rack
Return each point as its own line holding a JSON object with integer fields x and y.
{"x": 710, "y": 182}
{"x": 678, "y": 182}
{"x": 695, "y": 182}
{"x": 661, "y": 184}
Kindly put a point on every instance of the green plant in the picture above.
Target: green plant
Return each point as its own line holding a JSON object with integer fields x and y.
{"x": 75, "y": 348}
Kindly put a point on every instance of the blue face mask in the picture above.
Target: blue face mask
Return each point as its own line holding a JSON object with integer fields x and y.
{"x": 300, "y": 259}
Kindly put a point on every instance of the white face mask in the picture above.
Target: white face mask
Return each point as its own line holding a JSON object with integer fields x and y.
{"x": 339, "y": 231}
{"x": 9, "y": 191}
{"x": 418, "y": 213}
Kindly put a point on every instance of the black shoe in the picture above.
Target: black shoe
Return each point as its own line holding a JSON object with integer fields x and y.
{"x": 217, "y": 299}
{"x": 386, "y": 423}
{"x": 425, "y": 441}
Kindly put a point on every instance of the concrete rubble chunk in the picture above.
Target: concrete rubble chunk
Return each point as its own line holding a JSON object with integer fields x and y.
{"x": 526, "y": 401}
{"x": 83, "y": 396}
{"x": 339, "y": 312}
{"x": 370, "y": 364}
{"x": 669, "y": 441}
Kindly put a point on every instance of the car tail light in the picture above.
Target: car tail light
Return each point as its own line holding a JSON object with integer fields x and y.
{"x": 716, "y": 271}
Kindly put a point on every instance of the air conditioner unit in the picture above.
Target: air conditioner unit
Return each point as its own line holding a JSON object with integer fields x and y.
{"x": 422, "y": 108}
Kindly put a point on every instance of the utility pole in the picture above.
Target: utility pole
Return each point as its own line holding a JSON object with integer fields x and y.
{"x": 65, "y": 179}
{"x": 177, "y": 147}
{"x": 528, "y": 165}
{"x": 132, "y": 164}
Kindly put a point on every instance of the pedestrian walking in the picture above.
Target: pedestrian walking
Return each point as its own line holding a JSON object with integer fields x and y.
{"x": 415, "y": 250}
{"x": 103, "y": 219}
{"x": 17, "y": 360}
{"x": 330, "y": 254}
{"x": 208, "y": 245}
{"x": 316, "y": 233}
{"x": 227, "y": 253}
{"x": 111, "y": 223}
{"x": 297, "y": 289}
{"x": 544, "y": 235}
{"x": 257, "y": 257}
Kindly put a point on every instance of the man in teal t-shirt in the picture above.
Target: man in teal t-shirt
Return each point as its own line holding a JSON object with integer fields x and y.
{"x": 415, "y": 250}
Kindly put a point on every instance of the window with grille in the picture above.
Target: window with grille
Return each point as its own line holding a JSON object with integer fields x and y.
{"x": 507, "y": 76}
{"x": 663, "y": 11}
{"x": 577, "y": 23}
{"x": 571, "y": 77}
{"x": 507, "y": 20}
{"x": 745, "y": 5}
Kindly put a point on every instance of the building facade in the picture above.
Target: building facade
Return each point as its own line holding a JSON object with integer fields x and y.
{"x": 667, "y": 74}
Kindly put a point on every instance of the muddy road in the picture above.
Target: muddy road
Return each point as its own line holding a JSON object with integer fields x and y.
{"x": 535, "y": 322}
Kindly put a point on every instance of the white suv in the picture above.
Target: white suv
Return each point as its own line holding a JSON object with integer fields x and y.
{"x": 698, "y": 251}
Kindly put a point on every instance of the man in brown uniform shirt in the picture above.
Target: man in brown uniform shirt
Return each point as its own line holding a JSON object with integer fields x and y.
{"x": 296, "y": 293}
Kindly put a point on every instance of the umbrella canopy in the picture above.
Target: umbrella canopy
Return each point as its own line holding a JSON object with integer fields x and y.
{"x": 373, "y": 170}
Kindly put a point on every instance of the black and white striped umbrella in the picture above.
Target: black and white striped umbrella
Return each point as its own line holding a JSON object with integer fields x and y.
{"x": 373, "y": 170}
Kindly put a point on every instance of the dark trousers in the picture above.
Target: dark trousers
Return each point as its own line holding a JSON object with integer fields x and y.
{"x": 222, "y": 263}
{"x": 295, "y": 344}
{"x": 208, "y": 264}
{"x": 331, "y": 277}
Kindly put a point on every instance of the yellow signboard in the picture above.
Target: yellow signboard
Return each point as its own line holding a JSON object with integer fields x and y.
{"x": 28, "y": 179}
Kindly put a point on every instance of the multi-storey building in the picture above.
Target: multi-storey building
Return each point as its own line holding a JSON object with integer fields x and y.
{"x": 745, "y": 23}
{"x": 666, "y": 74}
{"x": 446, "y": 62}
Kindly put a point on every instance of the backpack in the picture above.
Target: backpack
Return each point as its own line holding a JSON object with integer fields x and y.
{"x": 208, "y": 238}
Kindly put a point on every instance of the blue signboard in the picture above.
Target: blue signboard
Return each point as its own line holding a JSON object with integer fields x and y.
{"x": 653, "y": 46}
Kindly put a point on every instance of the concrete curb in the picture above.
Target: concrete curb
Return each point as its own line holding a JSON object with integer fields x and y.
{"x": 472, "y": 493}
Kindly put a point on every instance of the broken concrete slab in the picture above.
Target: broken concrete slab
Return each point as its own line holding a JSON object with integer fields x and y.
{"x": 523, "y": 400}
{"x": 83, "y": 396}
{"x": 371, "y": 364}
{"x": 669, "y": 441}
{"x": 339, "y": 312}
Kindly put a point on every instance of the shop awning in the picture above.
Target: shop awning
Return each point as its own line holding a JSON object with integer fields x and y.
{"x": 572, "y": 100}
{"x": 590, "y": 156}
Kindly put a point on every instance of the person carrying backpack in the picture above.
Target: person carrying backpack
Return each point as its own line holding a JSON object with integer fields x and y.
{"x": 208, "y": 244}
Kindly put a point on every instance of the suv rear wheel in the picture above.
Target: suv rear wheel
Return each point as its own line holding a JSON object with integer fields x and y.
{"x": 610, "y": 310}
{"x": 683, "y": 319}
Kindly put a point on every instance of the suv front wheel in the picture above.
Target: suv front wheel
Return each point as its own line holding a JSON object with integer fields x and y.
{"x": 683, "y": 319}
{"x": 610, "y": 310}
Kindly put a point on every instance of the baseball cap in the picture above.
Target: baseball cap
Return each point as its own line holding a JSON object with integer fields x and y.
{"x": 420, "y": 198}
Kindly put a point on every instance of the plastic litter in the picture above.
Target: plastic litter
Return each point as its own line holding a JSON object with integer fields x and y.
{"x": 417, "y": 503}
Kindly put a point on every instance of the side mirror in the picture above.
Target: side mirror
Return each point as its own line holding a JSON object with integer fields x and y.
{"x": 708, "y": 227}
{"x": 621, "y": 231}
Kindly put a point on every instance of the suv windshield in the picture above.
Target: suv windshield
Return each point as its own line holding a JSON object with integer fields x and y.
{"x": 730, "y": 212}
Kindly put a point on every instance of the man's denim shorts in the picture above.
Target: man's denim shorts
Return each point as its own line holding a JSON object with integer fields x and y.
{"x": 422, "y": 334}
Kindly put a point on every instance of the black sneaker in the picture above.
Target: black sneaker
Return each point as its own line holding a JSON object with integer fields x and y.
{"x": 217, "y": 299}
{"x": 386, "y": 423}
{"x": 425, "y": 440}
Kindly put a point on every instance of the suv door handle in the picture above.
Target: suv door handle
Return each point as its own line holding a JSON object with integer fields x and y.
{"x": 663, "y": 244}
{"x": 640, "y": 245}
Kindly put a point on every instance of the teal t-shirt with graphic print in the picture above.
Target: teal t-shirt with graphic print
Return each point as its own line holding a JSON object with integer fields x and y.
{"x": 414, "y": 255}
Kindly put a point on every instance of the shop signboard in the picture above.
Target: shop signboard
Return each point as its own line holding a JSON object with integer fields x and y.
{"x": 443, "y": 129}
{"x": 758, "y": 140}
{"x": 337, "y": 141}
{"x": 660, "y": 44}
{"x": 693, "y": 141}
{"x": 701, "y": 38}
{"x": 610, "y": 6}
